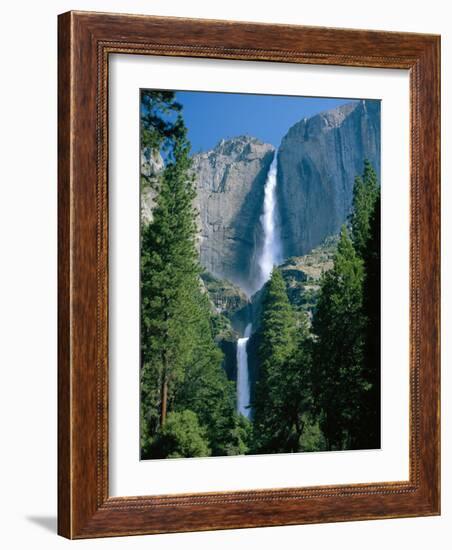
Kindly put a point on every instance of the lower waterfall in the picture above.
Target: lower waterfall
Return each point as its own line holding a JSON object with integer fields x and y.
{"x": 243, "y": 381}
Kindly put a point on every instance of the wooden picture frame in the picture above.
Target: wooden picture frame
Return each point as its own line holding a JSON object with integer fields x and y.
{"x": 86, "y": 40}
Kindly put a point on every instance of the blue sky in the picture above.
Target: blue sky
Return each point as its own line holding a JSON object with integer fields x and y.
{"x": 212, "y": 116}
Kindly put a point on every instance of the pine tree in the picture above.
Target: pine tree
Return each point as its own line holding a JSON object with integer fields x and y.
{"x": 169, "y": 278}
{"x": 338, "y": 326}
{"x": 275, "y": 416}
{"x": 365, "y": 193}
{"x": 161, "y": 120}
{"x": 365, "y": 222}
{"x": 369, "y": 437}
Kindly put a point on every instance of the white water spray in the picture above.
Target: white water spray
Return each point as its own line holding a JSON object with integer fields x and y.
{"x": 271, "y": 250}
{"x": 271, "y": 255}
{"x": 243, "y": 381}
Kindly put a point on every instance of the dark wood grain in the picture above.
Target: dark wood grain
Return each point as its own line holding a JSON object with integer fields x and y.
{"x": 64, "y": 295}
{"x": 85, "y": 42}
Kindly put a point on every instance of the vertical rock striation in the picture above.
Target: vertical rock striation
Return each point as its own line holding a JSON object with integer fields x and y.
{"x": 318, "y": 160}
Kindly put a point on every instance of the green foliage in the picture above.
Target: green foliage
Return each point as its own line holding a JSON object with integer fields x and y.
{"x": 369, "y": 436}
{"x": 277, "y": 324}
{"x": 181, "y": 436}
{"x": 221, "y": 327}
{"x": 338, "y": 326}
{"x": 365, "y": 193}
{"x": 312, "y": 438}
{"x": 284, "y": 360}
{"x": 161, "y": 119}
{"x": 240, "y": 436}
{"x": 366, "y": 238}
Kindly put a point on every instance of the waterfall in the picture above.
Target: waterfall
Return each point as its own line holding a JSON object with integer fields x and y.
{"x": 271, "y": 255}
{"x": 271, "y": 249}
{"x": 243, "y": 381}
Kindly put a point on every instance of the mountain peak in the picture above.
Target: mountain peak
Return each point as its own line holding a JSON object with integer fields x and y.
{"x": 237, "y": 148}
{"x": 241, "y": 139}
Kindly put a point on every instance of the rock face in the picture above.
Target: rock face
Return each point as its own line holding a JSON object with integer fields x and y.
{"x": 228, "y": 300}
{"x": 302, "y": 275}
{"x": 318, "y": 160}
{"x": 230, "y": 183}
{"x": 150, "y": 168}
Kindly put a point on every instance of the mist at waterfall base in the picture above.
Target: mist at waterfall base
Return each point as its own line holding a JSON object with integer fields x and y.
{"x": 270, "y": 255}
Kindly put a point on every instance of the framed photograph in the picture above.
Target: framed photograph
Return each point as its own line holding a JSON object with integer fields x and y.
{"x": 248, "y": 275}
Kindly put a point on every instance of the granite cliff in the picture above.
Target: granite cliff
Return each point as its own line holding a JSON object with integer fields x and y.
{"x": 318, "y": 160}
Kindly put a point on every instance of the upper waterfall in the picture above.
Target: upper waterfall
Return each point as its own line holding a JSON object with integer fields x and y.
{"x": 271, "y": 253}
